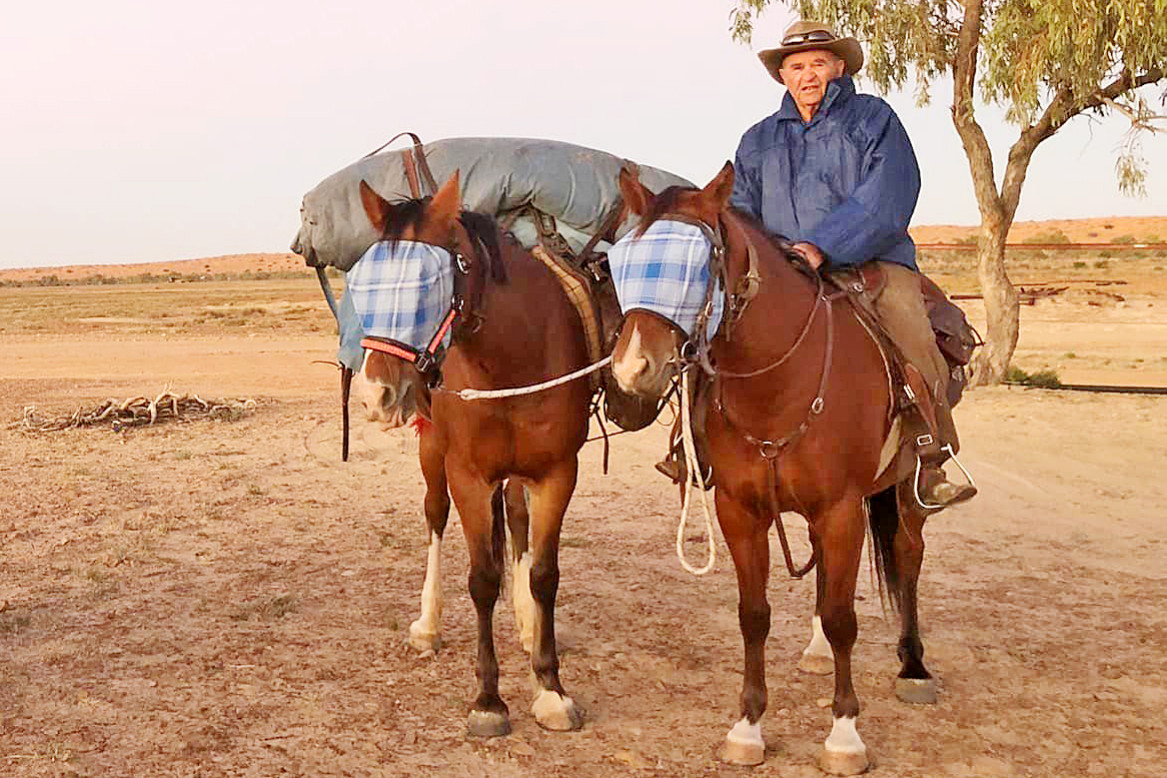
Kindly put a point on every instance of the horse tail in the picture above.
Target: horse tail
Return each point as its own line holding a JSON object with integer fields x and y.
{"x": 883, "y": 519}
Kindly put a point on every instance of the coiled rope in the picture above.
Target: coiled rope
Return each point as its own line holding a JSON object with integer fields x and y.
{"x": 693, "y": 470}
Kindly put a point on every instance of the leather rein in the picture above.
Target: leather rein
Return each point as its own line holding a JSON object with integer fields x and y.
{"x": 695, "y": 351}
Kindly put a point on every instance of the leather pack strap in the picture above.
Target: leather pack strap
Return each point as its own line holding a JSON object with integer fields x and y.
{"x": 414, "y": 165}
{"x": 411, "y": 173}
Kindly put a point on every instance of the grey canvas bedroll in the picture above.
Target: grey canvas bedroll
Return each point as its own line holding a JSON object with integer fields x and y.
{"x": 499, "y": 176}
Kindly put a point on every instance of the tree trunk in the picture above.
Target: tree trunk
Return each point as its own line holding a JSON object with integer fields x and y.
{"x": 997, "y": 208}
{"x": 1002, "y": 307}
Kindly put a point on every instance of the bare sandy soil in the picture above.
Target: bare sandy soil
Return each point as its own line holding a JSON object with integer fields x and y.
{"x": 229, "y": 599}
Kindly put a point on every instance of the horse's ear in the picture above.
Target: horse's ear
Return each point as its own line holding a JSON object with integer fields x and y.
{"x": 721, "y": 187}
{"x": 636, "y": 197}
{"x": 376, "y": 208}
{"x": 447, "y": 203}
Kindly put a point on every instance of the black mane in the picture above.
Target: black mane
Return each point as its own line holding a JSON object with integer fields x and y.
{"x": 482, "y": 229}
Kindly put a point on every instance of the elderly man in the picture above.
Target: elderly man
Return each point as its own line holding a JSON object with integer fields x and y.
{"x": 833, "y": 172}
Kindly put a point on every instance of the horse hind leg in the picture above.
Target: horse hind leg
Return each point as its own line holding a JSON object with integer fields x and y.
{"x": 552, "y": 707}
{"x": 897, "y": 528}
{"x": 518, "y": 521}
{"x": 817, "y": 658}
{"x": 425, "y": 632}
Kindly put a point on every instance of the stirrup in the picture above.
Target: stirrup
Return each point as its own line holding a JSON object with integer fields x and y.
{"x": 916, "y": 480}
{"x": 670, "y": 468}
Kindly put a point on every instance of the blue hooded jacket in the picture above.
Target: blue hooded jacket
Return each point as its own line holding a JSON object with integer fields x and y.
{"x": 846, "y": 181}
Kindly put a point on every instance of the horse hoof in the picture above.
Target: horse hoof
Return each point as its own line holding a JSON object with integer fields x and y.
{"x": 918, "y": 691}
{"x": 741, "y": 753}
{"x": 556, "y": 712}
{"x": 744, "y": 745}
{"x": 484, "y": 723}
{"x": 844, "y": 762}
{"x": 817, "y": 664}
{"x": 424, "y": 639}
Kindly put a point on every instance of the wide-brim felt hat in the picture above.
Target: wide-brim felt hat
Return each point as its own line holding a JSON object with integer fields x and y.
{"x": 804, "y": 36}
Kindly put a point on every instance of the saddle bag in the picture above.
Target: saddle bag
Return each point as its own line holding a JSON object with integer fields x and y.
{"x": 955, "y": 337}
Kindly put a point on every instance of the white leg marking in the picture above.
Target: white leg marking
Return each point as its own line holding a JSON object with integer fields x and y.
{"x": 844, "y": 753}
{"x": 817, "y": 658}
{"x": 746, "y": 733}
{"x": 556, "y": 711}
{"x": 844, "y": 738}
{"x": 524, "y": 602}
{"x": 425, "y": 633}
{"x": 819, "y": 645}
{"x": 744, "y": 744}
{"x": 631, "y": 364}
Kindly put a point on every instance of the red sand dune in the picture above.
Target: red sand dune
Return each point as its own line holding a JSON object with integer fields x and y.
{"x": 1096, "y": 230}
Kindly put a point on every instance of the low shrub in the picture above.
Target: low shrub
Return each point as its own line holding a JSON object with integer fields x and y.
{"x": 1042, "y": 379}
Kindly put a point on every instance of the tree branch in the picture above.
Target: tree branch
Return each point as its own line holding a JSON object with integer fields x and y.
{"x": 1060, "y": 110}
{"x": 976, "y": 146}
{"x": 1141, "y": 120}
{"x": 1121, "y": 85}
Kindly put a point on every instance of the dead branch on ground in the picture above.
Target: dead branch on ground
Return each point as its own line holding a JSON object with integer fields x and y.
{"x": 138, "y": 412}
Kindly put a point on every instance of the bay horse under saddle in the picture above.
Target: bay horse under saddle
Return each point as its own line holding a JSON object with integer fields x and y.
{"x": 799, "y": 415}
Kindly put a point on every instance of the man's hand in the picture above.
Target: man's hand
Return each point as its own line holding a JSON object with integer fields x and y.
{"x": 810, "y": 253}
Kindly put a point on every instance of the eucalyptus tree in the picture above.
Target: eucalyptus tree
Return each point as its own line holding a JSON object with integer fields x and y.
{"x": 1044, "y": 61}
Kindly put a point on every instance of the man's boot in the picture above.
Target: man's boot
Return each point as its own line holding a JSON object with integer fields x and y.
{"x": 937, "y": 491}
{"x": 673, "y": 466}
{"x": 670, "y": 466}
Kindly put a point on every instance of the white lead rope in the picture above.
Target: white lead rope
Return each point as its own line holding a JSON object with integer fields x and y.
{"x": 495, "y": 394}
{"x": 693, "y": 467}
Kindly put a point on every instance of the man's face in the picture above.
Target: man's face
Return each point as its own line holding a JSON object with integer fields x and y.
{"x": 806, "y": 74}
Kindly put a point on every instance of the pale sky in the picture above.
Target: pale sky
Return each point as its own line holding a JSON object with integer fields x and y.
{"x": 137, "y": 130}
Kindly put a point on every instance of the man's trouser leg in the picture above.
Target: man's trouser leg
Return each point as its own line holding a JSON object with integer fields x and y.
{"x": 901, "y": 311}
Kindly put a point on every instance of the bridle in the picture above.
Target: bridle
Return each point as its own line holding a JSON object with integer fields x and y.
{"x": 694, "y": 351}
{"x": 460, "y": 316}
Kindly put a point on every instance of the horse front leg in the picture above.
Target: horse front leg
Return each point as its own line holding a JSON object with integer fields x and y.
{"x": 914, "y": 683}
{"x": 485, "y": 540}
{"x": 425, "y": 634}
{"x": 549, "y": 497}
{"x": 747, "y": 536}
{"x": 817, "y": 658}
{"x": 840, "y": 531}
{"x": 518, "y": 522}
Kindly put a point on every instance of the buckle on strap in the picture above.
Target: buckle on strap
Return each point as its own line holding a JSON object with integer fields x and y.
{"x": 424, "y": 361}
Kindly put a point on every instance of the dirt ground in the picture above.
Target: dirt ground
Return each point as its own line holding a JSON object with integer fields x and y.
{"x": 220, "y": 598}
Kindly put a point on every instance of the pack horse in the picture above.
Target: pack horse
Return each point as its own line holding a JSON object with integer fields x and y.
{"x": 421, "y": 351}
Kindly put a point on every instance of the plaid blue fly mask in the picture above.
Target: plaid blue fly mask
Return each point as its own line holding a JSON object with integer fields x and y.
{"x": 402, "y": 291}
{"x": 666, "y": 271}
